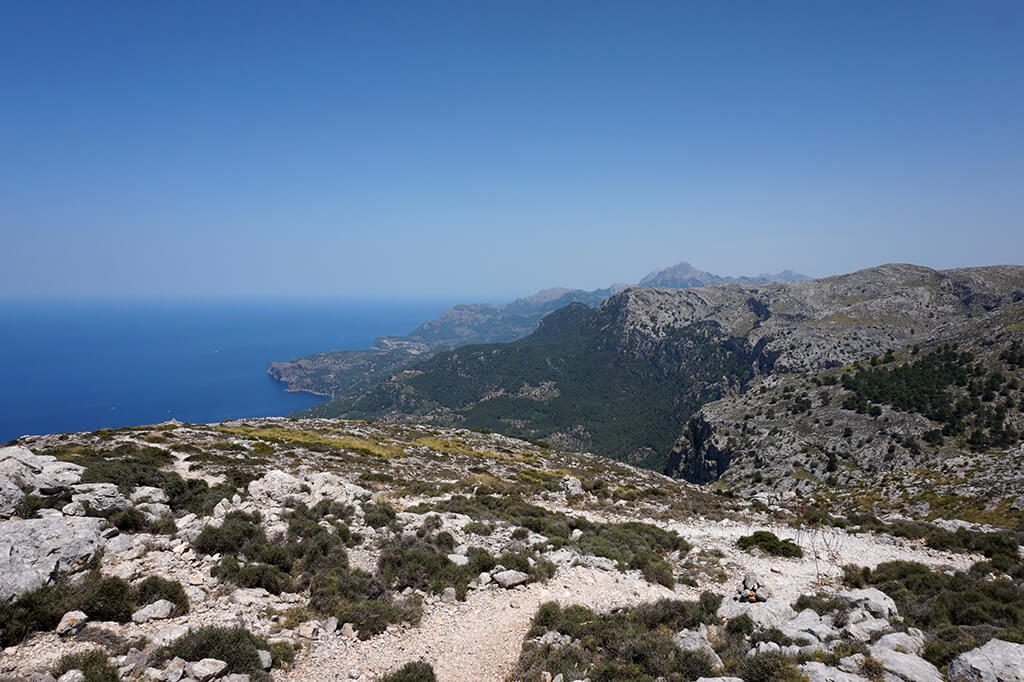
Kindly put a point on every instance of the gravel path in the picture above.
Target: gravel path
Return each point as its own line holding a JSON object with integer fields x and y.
{"x": 479, "y": 639}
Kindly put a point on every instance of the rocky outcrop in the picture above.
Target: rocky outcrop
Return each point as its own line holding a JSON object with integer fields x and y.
{"x": 34, "y": 551}
{"x": 101, "y": 498}
{"x": 764, "y": 611}
{"x": 996, "y": 661}
{"x": 40, "y": 473}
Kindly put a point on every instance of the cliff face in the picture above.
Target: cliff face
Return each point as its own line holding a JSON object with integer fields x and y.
{"x": 626, "y": 379}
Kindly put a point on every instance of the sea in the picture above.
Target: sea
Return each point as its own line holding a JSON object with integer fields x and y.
{"x": 89, "y": 364}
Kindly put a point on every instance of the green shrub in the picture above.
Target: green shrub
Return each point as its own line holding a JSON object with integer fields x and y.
{"x": 329, "y": 590}
{"x": 28, "y": 506}
{"x": 771, "y": 667}
{"x": 478, "y": 528}
{"x": 414, "y": 671}
{"x": 236, "y": 646}
{"x": 282, "y": 654}
{"x": 254, "y": 574}
{"x": 237, "y": 530}
{"x": 155, "y": 588}
{"x": 104, "y": 598}
{"x": 770, "y": 635}
{"x": 654, "y": 568}
{"x": 132, "y": 520}
{"x": 958, "y": 612}
{"x": 372, "y": 617}
{"x": 821, "y": 603}
{"x": 94, "y": 664}
{"x": 632, "y": 644}
{"x": 38, "y": 610}
{"x": 709, "y": 601}
{"x": 742, "y": 625}
{"x": 101, "y": 597}
{"x": 378, "y": 515}
{"x": 769, "y": 543}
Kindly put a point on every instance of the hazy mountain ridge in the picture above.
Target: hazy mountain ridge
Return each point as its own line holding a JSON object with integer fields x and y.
{"x": 619, "y": 379}
{"x": 343, "y": 372}
{"x": 682, "y": 275}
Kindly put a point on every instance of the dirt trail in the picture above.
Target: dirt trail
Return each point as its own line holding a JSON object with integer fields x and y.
{"x": 480, "y": 639}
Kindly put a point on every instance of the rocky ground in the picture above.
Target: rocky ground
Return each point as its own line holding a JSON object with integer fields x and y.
{"x": 379, "y": 545}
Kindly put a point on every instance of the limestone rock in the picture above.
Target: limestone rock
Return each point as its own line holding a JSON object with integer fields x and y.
{"x": 911, "y": 642}
{"x": 72, "y": 676}
{"x": 10, "y": 496}
{"x": 510, "y": 578}
{"x": 71, "y": 622}
{"x": 819, "y": 672}
{"x": 103, "y": 498}
{"x": 154, "y": 510}
{"x": 33, "y": 551}
{"x": 168, "y": 634}
{"x": 206, "y": 669}
{"x": 274, "y": 488}
{"x": 810, "y": 626}
{"x": 73, "y": 509}
{"x": 996, "y": 661}
{"x": 571, "y": 486}
{"x": 148, "y": 493}
{"x": 458, "y": 559}
{"x": 876, "y": 602}
{"x": 39, "y": 472}
{"x": 906, "y": 666}
{"x": 697, "y": 640}
{"x": 769, "y": 614}
{"x": 266, "y": 660}
{"x": 310, "y": 629}
{"x": 158, "y": 610}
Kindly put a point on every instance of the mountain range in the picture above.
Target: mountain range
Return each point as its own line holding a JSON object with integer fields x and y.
{"x": 765, "y": 389}
{"x": 337, "y": 373}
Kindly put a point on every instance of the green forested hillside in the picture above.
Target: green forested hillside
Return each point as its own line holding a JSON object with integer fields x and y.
{"x": 570, "y": 382}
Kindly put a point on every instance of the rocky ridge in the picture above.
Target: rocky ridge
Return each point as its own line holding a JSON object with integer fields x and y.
{"x": 502, "y": 527}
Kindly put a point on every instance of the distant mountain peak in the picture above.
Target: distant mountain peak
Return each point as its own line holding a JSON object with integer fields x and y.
{"x": 682, "y": 275}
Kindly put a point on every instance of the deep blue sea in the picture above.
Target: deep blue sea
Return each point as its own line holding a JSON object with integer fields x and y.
{"x": 79, "y": 366}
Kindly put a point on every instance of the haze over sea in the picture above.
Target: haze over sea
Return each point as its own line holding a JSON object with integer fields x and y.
{"x": 84, "y": 365}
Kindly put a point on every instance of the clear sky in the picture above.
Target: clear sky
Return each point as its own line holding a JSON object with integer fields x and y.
{"x": 489, "y": 148}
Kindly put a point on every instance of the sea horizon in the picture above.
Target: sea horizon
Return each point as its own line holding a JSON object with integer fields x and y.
{"x": 86, "y": 363}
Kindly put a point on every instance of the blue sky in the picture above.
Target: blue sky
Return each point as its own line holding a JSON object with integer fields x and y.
{"x": 489, "y": 149}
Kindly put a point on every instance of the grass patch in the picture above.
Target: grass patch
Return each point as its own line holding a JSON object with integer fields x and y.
{"x": 315, "y": 440}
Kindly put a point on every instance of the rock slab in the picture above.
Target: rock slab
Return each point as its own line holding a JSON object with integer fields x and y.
{"x": 996, "y": 661}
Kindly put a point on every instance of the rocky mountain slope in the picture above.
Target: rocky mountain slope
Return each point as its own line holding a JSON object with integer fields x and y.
{"x": 324, "y": 550}
{"x": 701, "y": 381}
{"x": 344, "y": 372}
